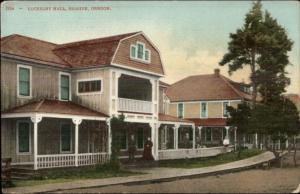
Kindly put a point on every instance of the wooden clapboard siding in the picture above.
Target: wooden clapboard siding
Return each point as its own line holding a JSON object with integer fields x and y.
{"x": 44, "y": 84}
{"x": 9, "y": 141}
{"x": 173, "y": 110}
{"x": 215, "y": 109}
{"x": 192, "y": 110}
{"x": 97, "y": 102}
{"x": 122, "y": 56}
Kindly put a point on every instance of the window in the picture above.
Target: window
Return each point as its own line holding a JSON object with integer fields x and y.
{"x": 64, "y": 86}
{"x": 225, "y": 112}
{"x": 123, "y": 140}
{"x": 140, "y": 138}
{"x": 208, "y": 134}
{"x": 89, "y": 86}
{"x": 203, "y": 109}
{"x": 23, "y": 137}
{"x": 24, "y": 81}
{"x": 133, "y": 51}
{"x": 180, "y": 110}
{"x": 139, "y": 52}
{"x": 65, "y": 137}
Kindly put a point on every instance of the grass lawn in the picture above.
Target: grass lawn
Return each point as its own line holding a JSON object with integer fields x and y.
{"x": 66, "y": 175}
{"x": 209, "y": 161}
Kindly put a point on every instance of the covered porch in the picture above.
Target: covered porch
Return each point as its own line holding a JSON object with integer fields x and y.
{"x": 179, "y": 138}
{"x": 51, "y": 134}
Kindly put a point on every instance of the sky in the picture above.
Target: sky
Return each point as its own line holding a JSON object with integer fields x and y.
{"x": 192, "y": 36}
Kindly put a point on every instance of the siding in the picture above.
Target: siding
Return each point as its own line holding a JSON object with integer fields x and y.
{"x": 215, "y": 109}
{"x": 123, "y": 55}
{"x": 173, "y": 110}
{"x": 97, "y": 102}
{"x": 192, "y": 110}
{"x": 44, "y": 84}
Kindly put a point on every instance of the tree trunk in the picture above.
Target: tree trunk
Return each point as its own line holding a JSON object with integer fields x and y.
{"x": 253, "y": 83}
{"x": 295, "y": 149}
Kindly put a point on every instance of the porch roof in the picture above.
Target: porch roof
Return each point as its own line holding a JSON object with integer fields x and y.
{"x": 169, "y": 118}
{"x": 210, "y": 122}
{"x": 46, "y": 106}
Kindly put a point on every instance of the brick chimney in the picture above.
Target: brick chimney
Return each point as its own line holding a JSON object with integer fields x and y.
{"x": 217, "y": 72}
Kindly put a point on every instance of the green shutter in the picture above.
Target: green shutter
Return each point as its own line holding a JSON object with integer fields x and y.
{"x": 24, "y": 81}
{"x": 203, "y": 109}
{"x": 146, "y": 55}
{"x": 64, "y": 87}
{"x": 133, "y": 51}
{"x": 140, "y": 51}
{"x": 23, "y": 136}
{"x": 65, "y": 137}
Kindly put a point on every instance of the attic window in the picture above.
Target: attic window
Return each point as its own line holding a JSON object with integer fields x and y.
{"x": 140, "y": 53}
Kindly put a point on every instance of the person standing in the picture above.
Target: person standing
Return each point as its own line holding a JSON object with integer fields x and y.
{"x": 131, "y": 147}
{"x": 147, "y": 155}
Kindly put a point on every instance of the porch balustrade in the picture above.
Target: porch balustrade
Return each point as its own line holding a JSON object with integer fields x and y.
{"x": 132, "y": 105}
{"x": 68, "y": 160}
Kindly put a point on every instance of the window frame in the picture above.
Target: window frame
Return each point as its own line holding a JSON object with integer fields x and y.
{"x": 59, "y": 85}
{"x": 71, "y": 138}
{"x": 182, "y": 110}
{"x": 206, "y": 112}
{"x": 17, "y": 138}
{"x": 89, "y": 79}
{"x": 18, "y": 80}
{"x": 143, "y": 60}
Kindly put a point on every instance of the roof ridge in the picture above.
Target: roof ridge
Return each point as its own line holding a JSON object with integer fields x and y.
{"x": 65, "y": 45}
{"x": 28, "y": 37}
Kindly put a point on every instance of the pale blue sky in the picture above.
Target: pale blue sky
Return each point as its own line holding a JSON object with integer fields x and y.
{"x": 192, "y": 36}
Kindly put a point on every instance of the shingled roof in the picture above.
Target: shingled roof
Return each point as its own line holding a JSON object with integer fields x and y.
{"x": 205, "y": 87}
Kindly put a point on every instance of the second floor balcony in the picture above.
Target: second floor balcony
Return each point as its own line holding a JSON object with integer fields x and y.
{"x": 134, "y": 95}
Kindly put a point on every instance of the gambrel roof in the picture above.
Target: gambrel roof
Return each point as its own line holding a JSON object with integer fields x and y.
{"x": 88, "y": 53}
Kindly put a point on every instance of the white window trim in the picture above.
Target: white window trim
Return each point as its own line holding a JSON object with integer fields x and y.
{"x": 182, "y": 109}
{"x": 224, "y": 107}
{"x": 17, "y": 137}
{"x": 30, "y": 81}
{"x": 71, "y": 138}
{"x": 59, "y": 92}
{"x": 206, "y": 114}
{"x": 89, "y": 93}
{"x": 143, "y": 60}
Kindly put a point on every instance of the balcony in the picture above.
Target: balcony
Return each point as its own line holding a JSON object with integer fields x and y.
{"x": 138, "y": 106}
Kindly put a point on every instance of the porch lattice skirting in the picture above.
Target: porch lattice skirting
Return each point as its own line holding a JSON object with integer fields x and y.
{"x": 68, "y": 160}
{"x": 192, "y": 153}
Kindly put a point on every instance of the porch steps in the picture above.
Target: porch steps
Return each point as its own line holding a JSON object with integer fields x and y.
{"x": 23, "y": 173}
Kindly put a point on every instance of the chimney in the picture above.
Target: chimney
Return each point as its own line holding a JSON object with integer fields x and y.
{"x": 217, "y": 72}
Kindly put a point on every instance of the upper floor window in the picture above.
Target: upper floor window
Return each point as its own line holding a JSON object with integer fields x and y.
{"x": 24, "y": 81}
{"x": 180, "y": 110}
{"x": 139, "y": 52}
{"x": 204, "y": 109}
{"x": 64, "y": 86}
{"x": 89, "y": 86}
{"x": 225, "y": 111}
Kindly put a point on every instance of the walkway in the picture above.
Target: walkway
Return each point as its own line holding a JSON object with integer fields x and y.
{"x": 155, "y": 175}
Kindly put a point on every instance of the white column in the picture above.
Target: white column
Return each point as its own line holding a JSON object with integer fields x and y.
{"x": 176, "y": 136}
{"x": 153, "y": 140}
{"x": 227, "y": 133}
{"x": 235, "y": 138}
{"x": 35, "y": 119}
{"x": 194, "y": 137}
{"x": 200, "y": 135}
{"x": 256, "y": 142}
{"x": 109, "y": 136}
{"x": 287, "y": 143}
{"x": 77, "y": 122}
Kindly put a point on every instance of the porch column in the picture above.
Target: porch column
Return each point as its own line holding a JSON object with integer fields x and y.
{"x": 235, "y": 138}
{"x": 256, "y": 144}
{"x": 200, "y": 133}
{"x": 35, "y": 119}
{"x": 77, "y": 122}
{"x": 227, "y": 134}
{"x": 176, "y": 136}
{"x": 287, "y": 143}
{"x": 194, "y": 137}
{"x": 109, "y": 137}
{"x": 154, "y": 139}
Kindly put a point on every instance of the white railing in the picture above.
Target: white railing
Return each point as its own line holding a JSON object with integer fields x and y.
{"x": 67, "y": 160}
{"x": 192, "y": 153}
{"x": 131, "y": 105}
{"x": 92, "y": 158}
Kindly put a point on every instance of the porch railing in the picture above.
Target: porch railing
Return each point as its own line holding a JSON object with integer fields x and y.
{"x": 192, "y": 153}
{"x": 132, "y": 105}
{"x": 68, "y": 160}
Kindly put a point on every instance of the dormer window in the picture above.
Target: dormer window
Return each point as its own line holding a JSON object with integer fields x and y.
{"x": 139, "y": 52}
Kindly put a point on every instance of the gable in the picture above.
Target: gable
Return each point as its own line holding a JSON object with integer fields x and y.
{"x": 122, "y": 55}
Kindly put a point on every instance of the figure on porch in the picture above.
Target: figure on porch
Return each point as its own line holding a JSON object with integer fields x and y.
{"x": 147, "y": 155}
{"x": 131, "y": 147}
